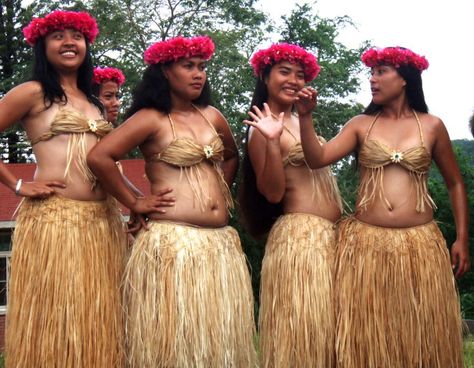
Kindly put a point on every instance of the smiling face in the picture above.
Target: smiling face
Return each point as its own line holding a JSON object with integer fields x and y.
{"x": 186, "y": 77}
{"x": 386, "y": 84}
{"x": 284, "y": 82}
{"x": 65, "y": 49}
{"x": 109, "y": 95}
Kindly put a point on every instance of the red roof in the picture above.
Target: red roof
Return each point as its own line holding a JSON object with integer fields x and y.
{"x": 133, "y": 170}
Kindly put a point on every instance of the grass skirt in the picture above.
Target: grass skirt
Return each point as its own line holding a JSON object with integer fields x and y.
{"x": 396, "y": 298}
{"x": 64, "y": 300}
{"x": 297, "y": 321}
{"x": 188, "y": 299}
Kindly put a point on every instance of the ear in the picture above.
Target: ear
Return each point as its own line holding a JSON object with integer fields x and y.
{"x": 164, "y": 69}
{"x": 263, "y": 79}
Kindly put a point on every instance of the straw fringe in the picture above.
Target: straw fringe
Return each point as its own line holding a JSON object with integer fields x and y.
{"x": 396, "y": 297}
{"x": 188, "y": 299}
{"x": 64, "y": 299}
{"x": 297, "y": 322}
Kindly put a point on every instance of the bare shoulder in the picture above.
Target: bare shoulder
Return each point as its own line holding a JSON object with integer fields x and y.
{"x": 359, "y": 123}
{"x": 147, "y": 116}
{"x": 28, "y": 94}
{"x": 23, "y": 103}
{"x": 215, "y": 117}
{"x": 432, "y": 126}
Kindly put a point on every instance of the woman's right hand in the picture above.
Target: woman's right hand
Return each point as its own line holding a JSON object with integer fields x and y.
{"x": 39, "y": 189}
{"x": 266, "y": 123}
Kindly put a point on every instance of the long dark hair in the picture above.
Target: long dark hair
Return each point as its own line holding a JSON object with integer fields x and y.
{"x": 257, "y": 214}
{"x": 48, "y": 77}
{"x": 413, "y": 91}
{"x": 153, "y": 91}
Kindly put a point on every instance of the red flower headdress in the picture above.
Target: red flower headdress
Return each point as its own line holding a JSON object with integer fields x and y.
{"x": 285, "y": 51}
{"x": 102, "y": 75}
{"x": 394, "y": 56}
{"x": 179, "y": 47}
{"x": 60, "y": 20}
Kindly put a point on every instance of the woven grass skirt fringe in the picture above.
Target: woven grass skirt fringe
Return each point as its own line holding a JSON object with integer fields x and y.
{"x": 188, "y": 299}
{"x": 297, "y": 319}
{"x": 64, "y": 306}
{"x": 397, "y": 304}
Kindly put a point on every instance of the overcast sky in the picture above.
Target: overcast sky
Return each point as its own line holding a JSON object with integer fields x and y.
{"x": 440, "y": 30}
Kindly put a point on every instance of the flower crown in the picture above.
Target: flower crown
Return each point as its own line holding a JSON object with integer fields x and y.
{"x": 102, "y": 75}
{"x": 179, "y": 47}
{"x": 394, "y": 56}
{"x": 285, "y": 51}
{"x": 60, "y": 20}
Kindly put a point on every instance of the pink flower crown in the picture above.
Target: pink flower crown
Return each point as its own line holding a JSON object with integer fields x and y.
{"x": 394, "y": 56}
{"x": 102, "y": 75}
{"x": 287, "y": 52}
{"x": 60, "y": 20}
{"x": 179, "y": 47}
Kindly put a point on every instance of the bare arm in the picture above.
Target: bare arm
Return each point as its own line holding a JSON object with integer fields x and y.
{"x": 114, "y": 146}
{"x": 231, "y": 155}
{"x": 15, "y": 106}
{"x": 445, "y": 159}
{"x": 265, "y": 153}
{"x": 317, "y": 155}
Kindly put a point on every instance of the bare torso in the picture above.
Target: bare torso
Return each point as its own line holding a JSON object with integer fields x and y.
{"x": 51, "y": 154}
{"x": 212, "y": 210}
{"x": 398, "y": 185}
{"x": 299, "y": 193}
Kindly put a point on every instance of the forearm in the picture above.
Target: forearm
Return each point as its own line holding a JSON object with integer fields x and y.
{"x": 312, "y": 148}
{"x": 229, "y": 168}
{"x": 111, "y": 179}
{"x": 457, "y": 194}
{"x": 271, "y": 180}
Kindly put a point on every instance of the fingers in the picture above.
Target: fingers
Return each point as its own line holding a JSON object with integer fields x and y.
{"x": 258, "y": 112}
{"x": 133, "y": 227}
{"x": 164, "y": 191}
{"x": 143, "y": 223}
{"x": 463, "y": 266}
{"x": 267, "y": 110}
{"x": 254, "y": 117}
{"x": 55, "y": 183}
{"x": 251, "y": 123}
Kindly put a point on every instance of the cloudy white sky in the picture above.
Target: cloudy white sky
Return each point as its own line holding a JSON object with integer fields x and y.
{"x": 440, "y": 30}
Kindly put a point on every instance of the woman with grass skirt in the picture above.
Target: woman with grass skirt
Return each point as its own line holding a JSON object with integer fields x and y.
{"x": 300, "y": 205}
{"x": 187, "y": 292}
{"x": 396, "y": 298}
{"x": 68, "y": 248}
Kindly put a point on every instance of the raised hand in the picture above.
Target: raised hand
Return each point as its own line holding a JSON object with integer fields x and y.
{"x": 265, "y": 122}
{"x": 306, "y": 101}
{"x": 40, "y": 189}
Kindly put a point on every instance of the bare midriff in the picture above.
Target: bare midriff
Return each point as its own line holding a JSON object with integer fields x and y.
{"x": 210, "y": 212}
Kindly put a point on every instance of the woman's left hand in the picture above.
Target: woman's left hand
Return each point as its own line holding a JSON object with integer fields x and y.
{"x": 460, "y": 259}
{"x": 306, "y": 101}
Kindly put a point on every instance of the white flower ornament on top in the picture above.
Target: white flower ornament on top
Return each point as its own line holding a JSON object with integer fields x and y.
{"x": 92, "y": 125}
{"x": 396, "y": 157}
{"x": 208, "y": 151}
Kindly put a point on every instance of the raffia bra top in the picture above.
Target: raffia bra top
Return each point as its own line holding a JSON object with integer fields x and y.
{"x": 187, "y": 154}
{"x": 323, "y": 181}
{"x": 77, "y": 125}
{"x": 374, "y": 156}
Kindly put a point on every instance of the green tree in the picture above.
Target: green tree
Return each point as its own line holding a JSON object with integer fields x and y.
{"x": 13, "y": 69}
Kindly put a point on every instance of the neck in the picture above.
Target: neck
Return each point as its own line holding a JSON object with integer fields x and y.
{"x": 277, "y": 108}
{"x": 180, "y": 104}
{"x": 397, "y": 109}
{"x": 68, "y": 81}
